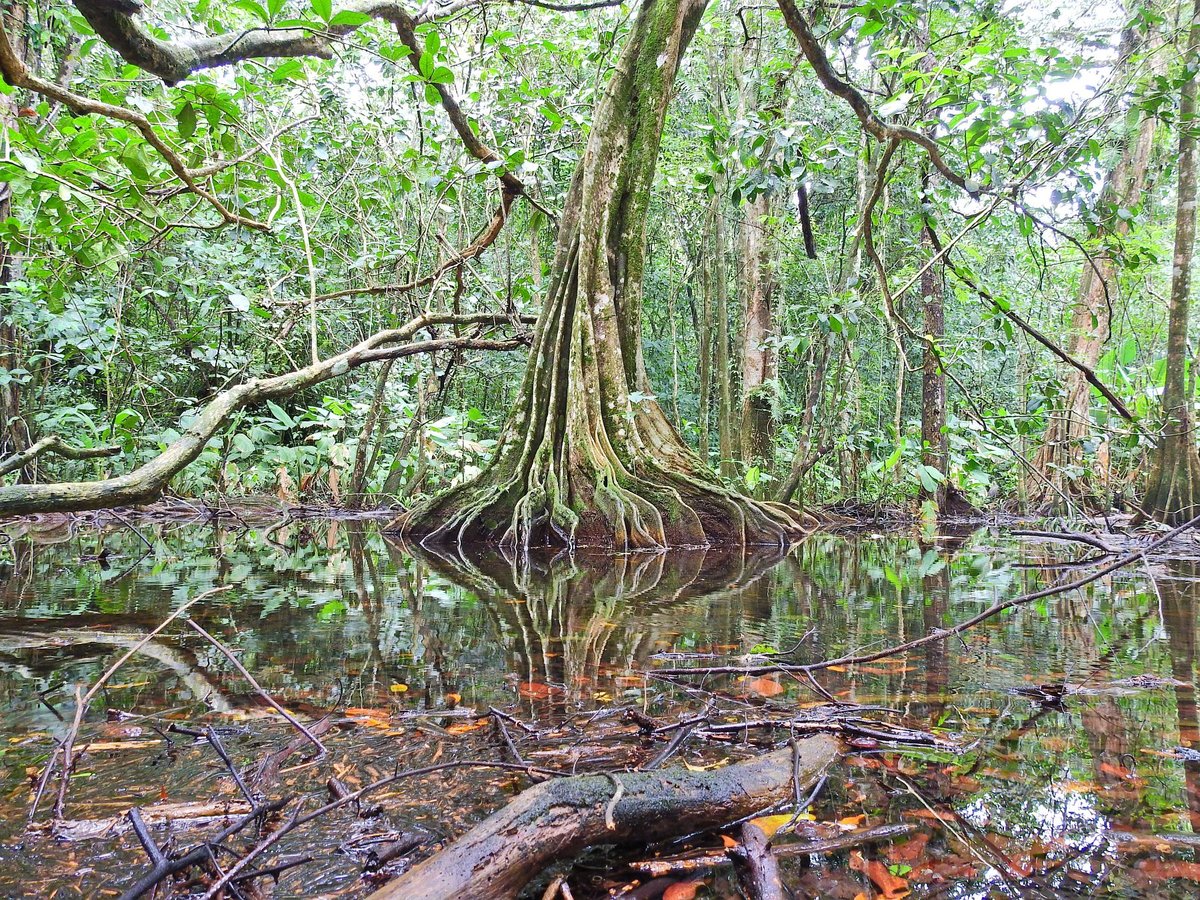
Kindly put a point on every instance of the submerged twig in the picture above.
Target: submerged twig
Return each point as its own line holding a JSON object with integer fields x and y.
{"x": 258, "y": 688}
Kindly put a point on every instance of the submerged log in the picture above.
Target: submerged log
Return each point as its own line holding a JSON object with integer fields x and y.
{"x": 560, "y": 818}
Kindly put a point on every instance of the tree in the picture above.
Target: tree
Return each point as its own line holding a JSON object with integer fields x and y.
{"x": 1069, "y": 426}
{"x": 588, "y": 457}
{"x": 1173, "y": 491}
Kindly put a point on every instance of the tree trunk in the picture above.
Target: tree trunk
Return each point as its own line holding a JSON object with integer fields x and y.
{"x": 934, "y": 444}
{"x": 723, "y": 368}
{"x": 758, "y": 358}
{"x": 704, "y": 338}
{"x": 1173, "y": 492}
{"x": 15, "y": 436}
{"x": 588, "y": 458}
{"x": 1062, "y": 445}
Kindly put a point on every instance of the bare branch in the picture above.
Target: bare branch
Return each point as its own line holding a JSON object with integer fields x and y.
{"x": 482, "y": 241}
{"x": 57, "y": 446}
{"x": 147, "y": 482}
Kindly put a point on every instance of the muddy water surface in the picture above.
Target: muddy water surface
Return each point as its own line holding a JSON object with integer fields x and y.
{"x": 1076, "y": 772}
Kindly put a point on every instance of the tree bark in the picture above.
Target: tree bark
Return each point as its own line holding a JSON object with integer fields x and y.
{"x": 758, "y": 358}
{"x": 1061, "y": 450}
{"x": 934, "y": 444}
{"x": 588, "y": 458}
{"x": 15, "y": 436}
{"x": 557, "y": 819}
{"x": 1173, "y": 492}
{"x": 723, "y": 367}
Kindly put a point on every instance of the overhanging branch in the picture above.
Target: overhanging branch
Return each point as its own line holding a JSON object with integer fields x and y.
{"x": 147, "y": 482}
{"x": 58, "y": 447}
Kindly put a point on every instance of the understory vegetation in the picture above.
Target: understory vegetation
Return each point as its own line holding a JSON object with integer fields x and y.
{"x": 932, "y": 255}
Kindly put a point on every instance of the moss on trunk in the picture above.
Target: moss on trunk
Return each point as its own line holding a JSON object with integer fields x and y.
{"x": 588, "y": 458}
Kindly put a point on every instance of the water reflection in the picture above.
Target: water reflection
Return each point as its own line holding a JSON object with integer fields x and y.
{"x": 1070, "y": 776}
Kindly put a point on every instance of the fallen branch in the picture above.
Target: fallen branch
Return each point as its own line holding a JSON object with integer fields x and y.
{"x": 560, "y": 818}
{"x": 756, "y": 866}
{"x": 83, "y": 700}
{"x": 1076, "y": 536}
{"x": 715, "y": 859}
{"x": 57, "y": 446}
{"x": 147, "y": 482}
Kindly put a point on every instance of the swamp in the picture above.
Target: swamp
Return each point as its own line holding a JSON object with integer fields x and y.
{"x": 657, "y": 449}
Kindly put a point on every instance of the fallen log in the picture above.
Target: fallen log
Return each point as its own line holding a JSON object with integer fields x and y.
{"x": 560, "y": 818}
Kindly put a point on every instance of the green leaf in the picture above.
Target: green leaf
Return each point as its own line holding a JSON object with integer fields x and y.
{"x": 323, "y": 9}
{"x": 186, "y": 117}
{"x": 350, "y": 18}
{"x": 281, "y": 414}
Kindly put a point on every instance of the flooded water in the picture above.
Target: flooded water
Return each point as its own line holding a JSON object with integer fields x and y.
{"x": 1074, "y": 719}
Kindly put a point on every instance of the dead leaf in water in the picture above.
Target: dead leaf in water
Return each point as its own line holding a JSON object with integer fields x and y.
{"x": 910, "y": 851}
{"x": 764, "y": 687}
{"x": 683, "y": 890}
{"x": 535, "y": 690}
{"x": 1163, "y": 869}
{"x": 892, "y": 887}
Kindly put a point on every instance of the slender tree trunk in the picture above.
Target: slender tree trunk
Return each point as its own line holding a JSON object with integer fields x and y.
{"x": 934, "y": 446}
{"x": 361, "y": 472}
{"x": 15, "y": 435}
{"x": 803, "y": 459}
{"x": 1173, "y": 492}
{"x": 758, "y": 358}
{"x": 933, "y": 379}
{"x": 588, "y": 458}
{"x": 1060, "y": 455}
{"x": 724, "y": 369}
{"x": 704, "y": 338}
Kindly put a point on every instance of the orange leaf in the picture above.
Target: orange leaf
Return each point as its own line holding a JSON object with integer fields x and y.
{"x": 1115, "y": 771}
{"x": 729, "y": 842}
{"x": 850, "y": 822}
{"x": 892, "y": 887}
{"x": 936, "y": 815}
{"x": 764, "y": 687}
{"x": 910, "y": 851}
{"x": 368, "y": 712}
{"x": 535, "y": 690}
{"x": 683, "y": 890}
{"x": 464, "y": 727}
{"x": 1162, "y": 869}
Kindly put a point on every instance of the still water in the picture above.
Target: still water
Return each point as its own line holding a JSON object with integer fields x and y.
{"x": 1069, "y": 716}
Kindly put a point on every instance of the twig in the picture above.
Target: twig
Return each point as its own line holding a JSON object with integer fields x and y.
{"x": 199, "y": 853}
{"x": 82, "y": 702}
{"x": 214, "y": 741}
{"x": 258, "y": 688}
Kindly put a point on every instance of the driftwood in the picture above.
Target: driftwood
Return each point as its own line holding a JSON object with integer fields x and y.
{"x": 562, "y": 817}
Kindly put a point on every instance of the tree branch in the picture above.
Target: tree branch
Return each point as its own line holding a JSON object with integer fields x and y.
{"x": 17, "y": 74}
{"x": 57, "y": 446}
{"x": 147, "y": 482}
{"x": 811, "y": 47}
{"x": 1007, "y": 311}
{"x": 482, "y": 241}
